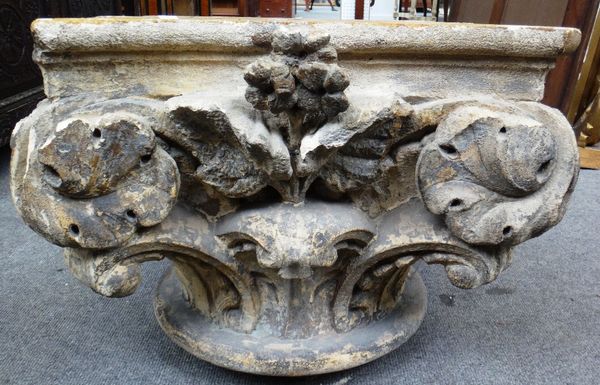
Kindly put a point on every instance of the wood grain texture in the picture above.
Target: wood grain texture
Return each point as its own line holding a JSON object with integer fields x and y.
{"x": 561, "y": 81}
{"x": 359, "y": 10}
{"x": 497, "y": 13}
{"x": 589, "y": 158}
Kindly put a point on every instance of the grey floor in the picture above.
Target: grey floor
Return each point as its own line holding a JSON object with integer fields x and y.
{"x": 539, "y": 323}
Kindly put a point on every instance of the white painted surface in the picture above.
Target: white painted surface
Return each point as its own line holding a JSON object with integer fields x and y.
{"x": 382, "y": 10}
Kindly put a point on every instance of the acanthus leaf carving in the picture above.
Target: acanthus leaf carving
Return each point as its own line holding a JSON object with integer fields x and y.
{"x": 406, "y": 235}
{"x": 330, "y": 253}
{"x": 238, "y": 151}
{"x": 206, "y": 134}
{"x": 499, "y": 173}
{"x": 295, "y": 250}
{"x": 88, "y": 156}
{"x": 124, "y": 181}
{"x": 366, "y": 155}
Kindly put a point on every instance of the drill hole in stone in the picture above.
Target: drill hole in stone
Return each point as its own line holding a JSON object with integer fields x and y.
{"x": 543, "y": 170}
{"x": 503, "y": 130}
{"x": 74, "y": 229}
{"x": 507, "y": 231}
{"x": 131, "y": 214}
{"x": 97, "y": 133}
{"x": 455, "y": 203}
{"x": 449, "y": 149}
{"x": 146, "y": 158}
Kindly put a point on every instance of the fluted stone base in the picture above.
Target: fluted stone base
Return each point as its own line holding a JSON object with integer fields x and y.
{"x": 261, "y": 353}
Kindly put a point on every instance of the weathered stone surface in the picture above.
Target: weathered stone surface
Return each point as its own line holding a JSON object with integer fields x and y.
{"x": 292, "y": 172}
{"x": 499, "y": 173}
{"x": 89, "y": 173}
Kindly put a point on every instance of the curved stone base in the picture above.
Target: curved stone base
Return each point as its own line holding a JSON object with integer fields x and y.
{"x": 268, "y": 355}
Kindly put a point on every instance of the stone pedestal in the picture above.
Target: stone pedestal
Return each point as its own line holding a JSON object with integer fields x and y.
{"x": 291, "y": 172}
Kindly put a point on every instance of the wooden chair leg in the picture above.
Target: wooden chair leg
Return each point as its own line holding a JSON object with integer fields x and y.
{"x": 435, "y": 9}
{"x": 446, "y": 9}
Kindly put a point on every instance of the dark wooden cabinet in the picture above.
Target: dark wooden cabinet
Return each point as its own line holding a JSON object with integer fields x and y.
{"x": 253, "y": 8}
{"x": 196, "y": 7}
{"x": 17, "y": 70}
{"x": 20, "y": 78}
{"x": 248, "y": 8}
{"x": 561, "y": 81}
{"x": 165, "y": 7}
{"x": 276, "y": 8}
{"x": 81, "y": 8}
{"x": 226, "y": 8}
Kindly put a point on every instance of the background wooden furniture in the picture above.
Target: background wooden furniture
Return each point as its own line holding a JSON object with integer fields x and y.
{"x": 245, "y": 8}
{"x": 276, "y": 8}
{"x": 561, "y": 81}
{"x": 584, "y": 106}
{"x": 226, "y": 7}
{"x": 20, "y": 79}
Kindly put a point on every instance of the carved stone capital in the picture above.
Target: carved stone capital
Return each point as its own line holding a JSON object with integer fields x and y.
{"x": 293, "y": 173}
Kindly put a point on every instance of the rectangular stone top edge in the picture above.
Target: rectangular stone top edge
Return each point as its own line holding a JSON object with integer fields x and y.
{"x": 171, "y": 33}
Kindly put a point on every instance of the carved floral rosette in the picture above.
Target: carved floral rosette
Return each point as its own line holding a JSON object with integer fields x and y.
{"x": 289, "y": 212}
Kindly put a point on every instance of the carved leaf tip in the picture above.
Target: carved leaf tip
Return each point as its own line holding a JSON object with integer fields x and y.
{"x": 95, "y": 178}
{"x": 498, "y": 172}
